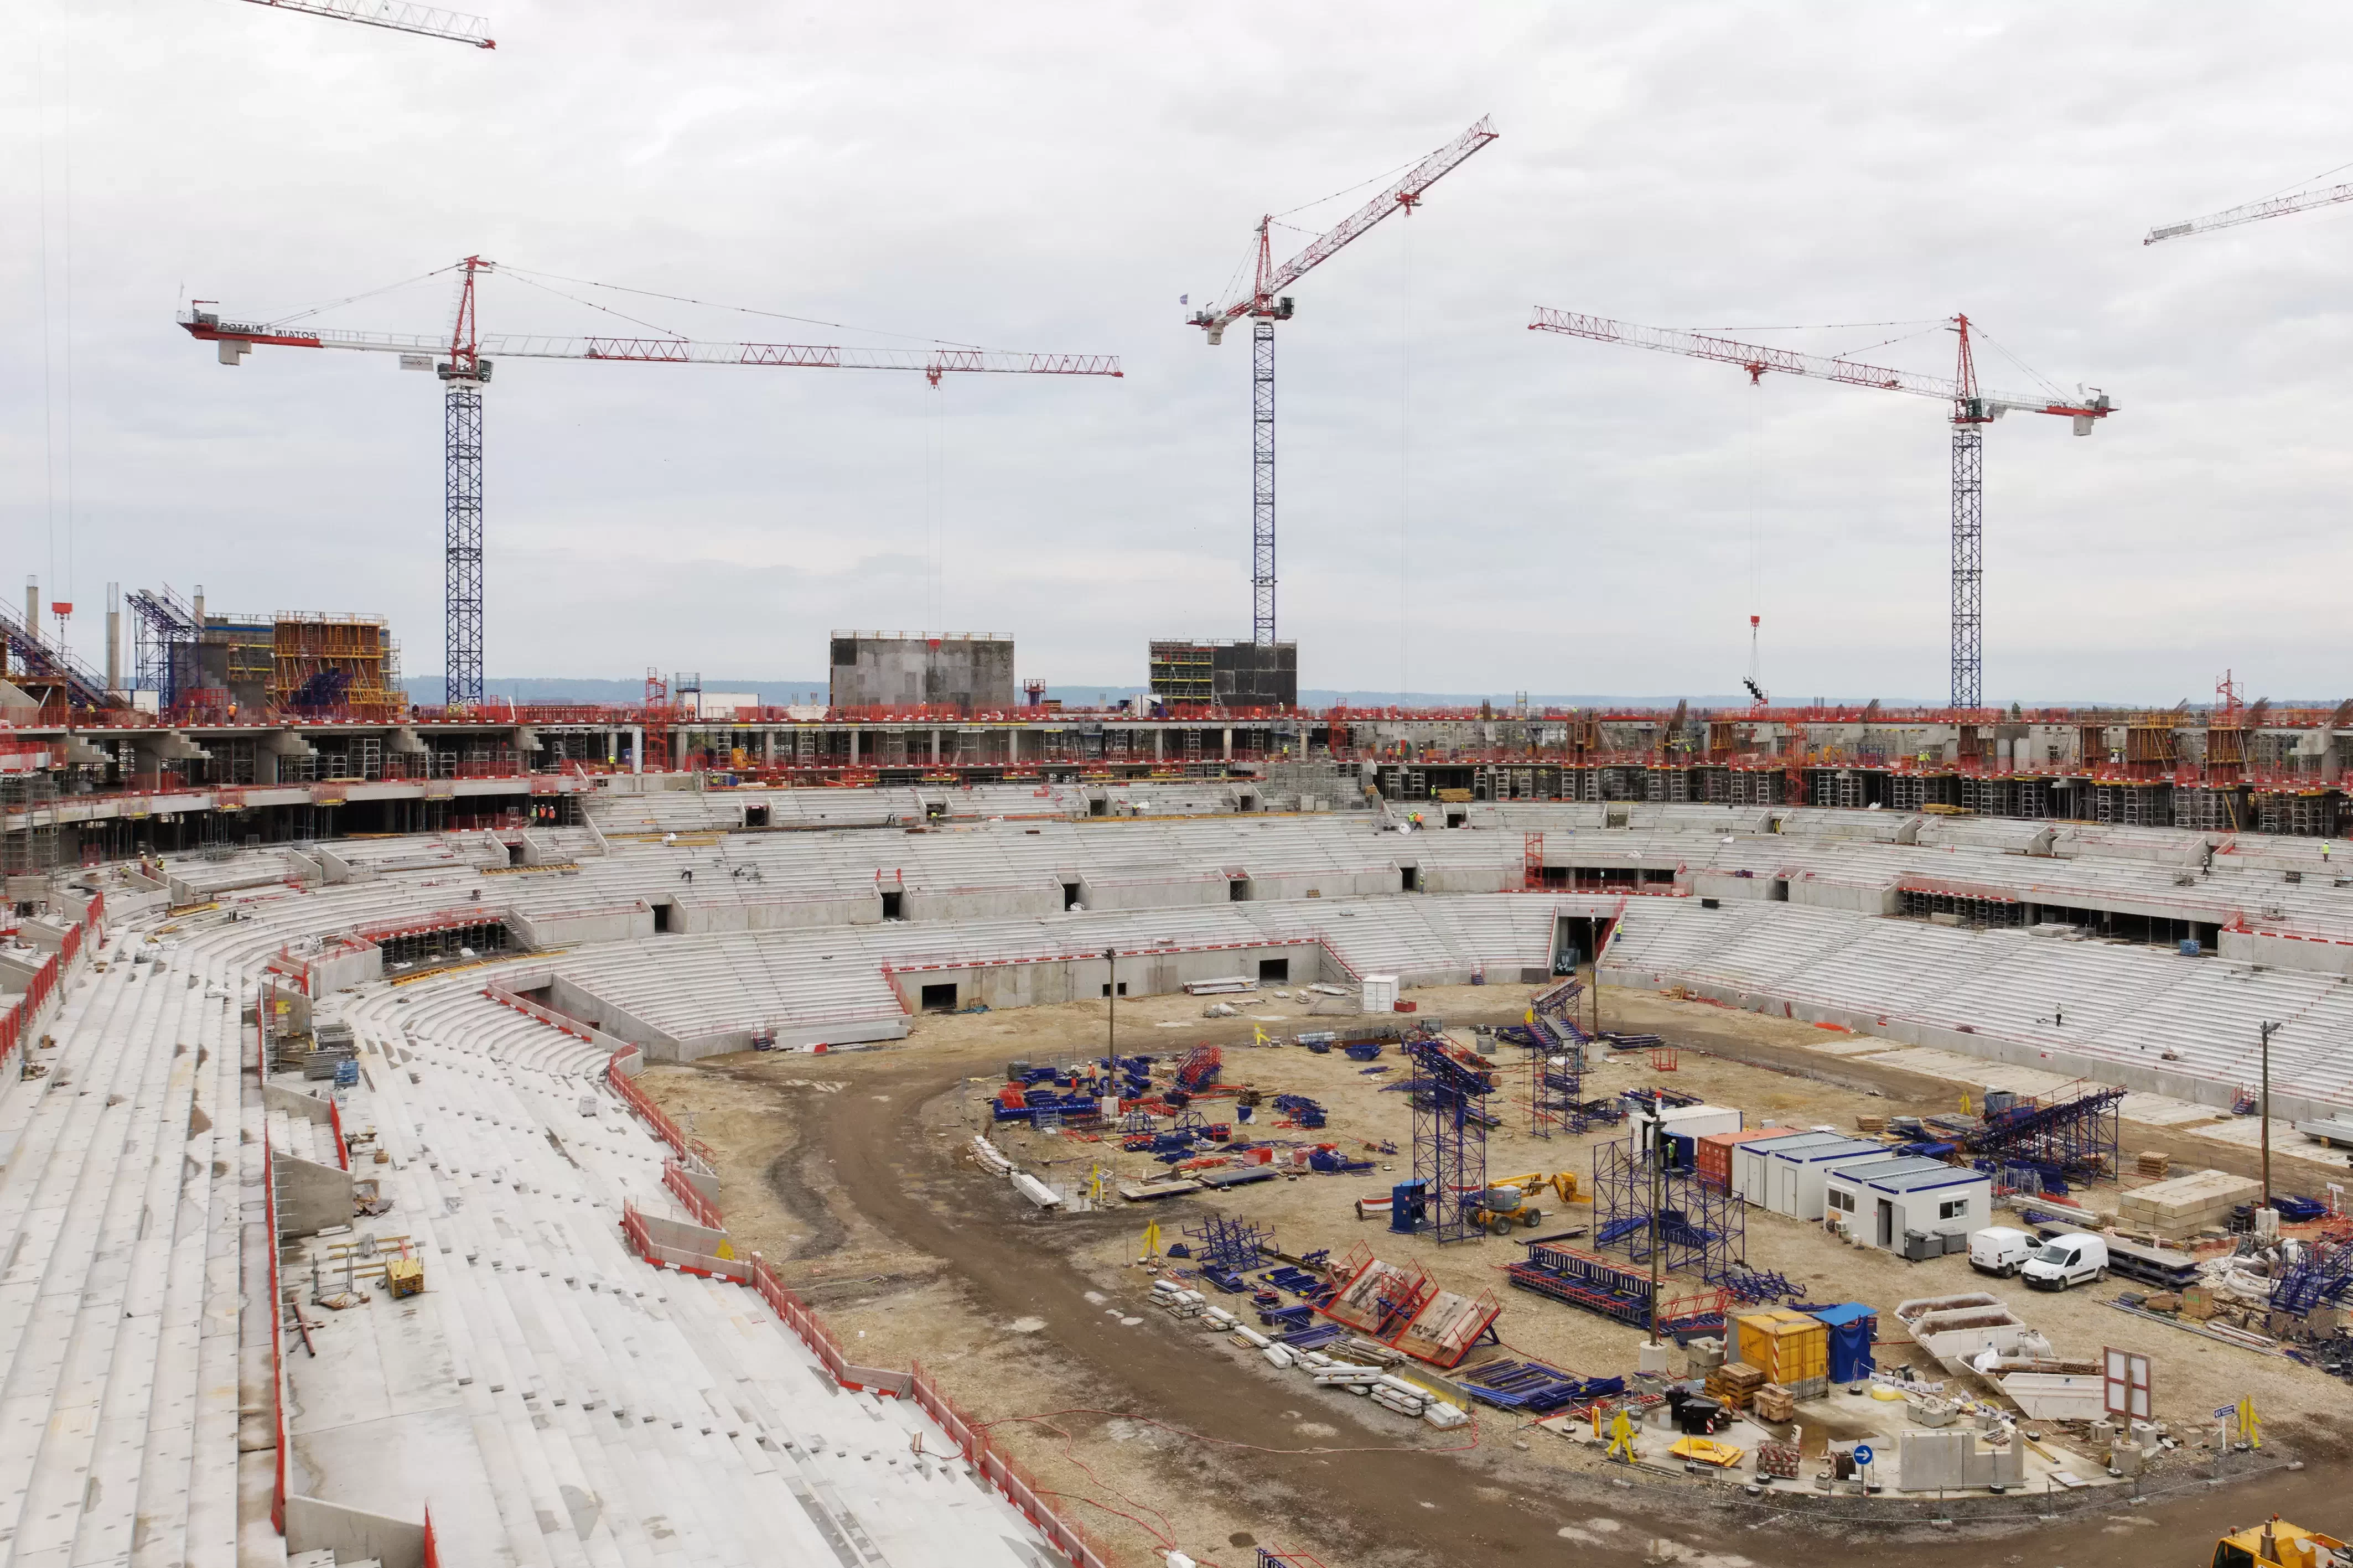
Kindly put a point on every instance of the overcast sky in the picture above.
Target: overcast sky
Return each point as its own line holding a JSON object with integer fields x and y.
{"x": 1465, "y": 505}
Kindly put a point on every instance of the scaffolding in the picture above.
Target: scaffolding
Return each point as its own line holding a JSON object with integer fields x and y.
{"x": 1450, "y": 1136}
{"x": 1556, "y": 1059}
{"x": 2071, "y": 1133}
{"x": 29, "y": 824}
{"x": 343, "y": 664}
{"x": 1699, "y": 1228}
{"x": 1223, "y": 1243}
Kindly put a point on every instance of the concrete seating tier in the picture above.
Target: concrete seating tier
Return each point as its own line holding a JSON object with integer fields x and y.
{"x": 555, "y": 1399}
{"x": 120, "y": 1209}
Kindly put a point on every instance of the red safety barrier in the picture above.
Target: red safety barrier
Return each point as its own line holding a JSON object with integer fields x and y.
{"x": 1002, "y": 1471}
{"x": 335, "y": 1120}
{"x": 277, "y": 1329}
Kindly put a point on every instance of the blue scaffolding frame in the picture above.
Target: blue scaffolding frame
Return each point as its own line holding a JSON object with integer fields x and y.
{"x": 1701, "y": 1227}
{"x": 2075, "y": 1132}
{"x": 1449, "y": 1137}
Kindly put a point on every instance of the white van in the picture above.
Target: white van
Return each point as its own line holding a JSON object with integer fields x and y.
{"x": 1999, "y": 1251}
{"x": 2067, "y": 1260}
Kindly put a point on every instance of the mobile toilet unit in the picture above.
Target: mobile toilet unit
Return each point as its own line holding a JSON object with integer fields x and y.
{"x": 1914, "y": 1207}
{"x": 1796, "y": 1171}
{"x": 1750, "y": 1160}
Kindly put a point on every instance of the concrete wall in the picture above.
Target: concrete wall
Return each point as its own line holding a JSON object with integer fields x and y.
{"x": 577, "y": 928}
{"x": 979, "y": 903}
{"x": 295, "y": 1103}
{"x": 48, "y": 935}
{"x": 1151, "y": 892}
{"x": 353, "y": 1534}
{"x": 1471, "y": 878}
{"x": 1728, "y": 887}
{"x": 689, "y": 915}
{"x": 332, "y": 971}
{"x": 976, "y": 673}
{"x": 1326, "y": 884}
{"x": 1867, "y": 898}
{"x": 1082, "y": 979}
{"x": 2317, "y": 955}
{"x": 310, "y": 1197}
{"x": 720, "y": 1042}
{"x": 17, "y": 970}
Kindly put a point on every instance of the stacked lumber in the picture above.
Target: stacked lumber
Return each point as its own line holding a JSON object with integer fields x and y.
{"x": 1776, "y": 1404}
{"x": 2177, "y": 1210}
{"x": 1734, "y": 1385}
{"x": 2154, "y": 1163}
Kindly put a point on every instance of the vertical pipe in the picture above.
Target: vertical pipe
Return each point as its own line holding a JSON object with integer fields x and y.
{"x": 114, "y": 636}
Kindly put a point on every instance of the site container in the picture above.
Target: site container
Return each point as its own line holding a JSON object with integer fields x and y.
{"x": 1713, "y": 1157}
{"x": 1792, "y": 1349}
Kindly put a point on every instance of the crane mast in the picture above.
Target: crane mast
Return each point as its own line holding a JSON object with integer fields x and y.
{"x": 1266, "y": 304}
{"x": 1972, "y": 409}
{"x": 464, "y": 361}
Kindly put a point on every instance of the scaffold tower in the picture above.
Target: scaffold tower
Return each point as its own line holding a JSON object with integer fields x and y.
{"x": 1449, "y": 1135}
{"x": 1701, "y": 1227}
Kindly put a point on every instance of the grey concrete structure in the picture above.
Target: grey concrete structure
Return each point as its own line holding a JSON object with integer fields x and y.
{"x": 971, "y": 670}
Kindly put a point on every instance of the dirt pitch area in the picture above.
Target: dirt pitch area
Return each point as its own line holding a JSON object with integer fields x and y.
{"x": 848, "y": 1171}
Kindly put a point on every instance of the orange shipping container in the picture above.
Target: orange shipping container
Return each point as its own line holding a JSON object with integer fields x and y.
{"x": 1713, "y": 1154}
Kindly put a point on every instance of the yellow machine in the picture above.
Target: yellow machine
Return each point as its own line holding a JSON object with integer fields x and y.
{"x": 1564, "y": 1185}
{"x": 1504, "y": 1203}
{"x": 2276, "y": 1543}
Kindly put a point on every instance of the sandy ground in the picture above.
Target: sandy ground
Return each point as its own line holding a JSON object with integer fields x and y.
{"x": 847, "y": 1171}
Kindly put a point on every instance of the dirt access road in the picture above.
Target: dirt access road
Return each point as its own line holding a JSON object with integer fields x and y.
{"x": 859, "y": 1188}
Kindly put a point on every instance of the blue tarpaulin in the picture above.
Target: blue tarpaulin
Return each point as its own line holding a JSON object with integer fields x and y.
{"x": 1853, "y": 1327}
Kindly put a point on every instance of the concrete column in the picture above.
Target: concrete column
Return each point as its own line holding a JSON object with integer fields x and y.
{"x": 768, "y": 747}
{"x": 1013, "y": 743}
{"x": 853, "y": 748}
{"x": 637, "y": 749}
{"x": 935, "y": 747}
{"x": 1229, "y": 744}
{"x": 1159, "y": 743}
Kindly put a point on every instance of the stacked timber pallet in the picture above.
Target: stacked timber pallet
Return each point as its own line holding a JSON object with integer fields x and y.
{"x": 2178, "y": 1209}
{"x": 2153, "y": 1164}
{"x": 1734, "y": 1385}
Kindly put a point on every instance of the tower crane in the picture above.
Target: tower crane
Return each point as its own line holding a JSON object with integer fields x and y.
{"x": 398, "y": 16}
{"x": 1972, "y": 410}
{"x": 464, "y": 361}
{"x": 2254, "y": 212}
{"x": 1266, "y": 304}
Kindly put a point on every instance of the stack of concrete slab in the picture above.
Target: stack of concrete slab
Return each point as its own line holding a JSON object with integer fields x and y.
{"x": 2178, "y": 1209}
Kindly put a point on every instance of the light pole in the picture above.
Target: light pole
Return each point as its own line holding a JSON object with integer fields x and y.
{"x": 2263, "y": 1109}
{"x": 1111, "y": 993}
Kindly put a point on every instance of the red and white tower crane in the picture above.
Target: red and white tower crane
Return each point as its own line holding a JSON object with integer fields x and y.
{"x": 1972, "y": 410}
{"x": 398, "y": 16}
{"x": 464, "y": 361}
{"x": 1266, "y": 304}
